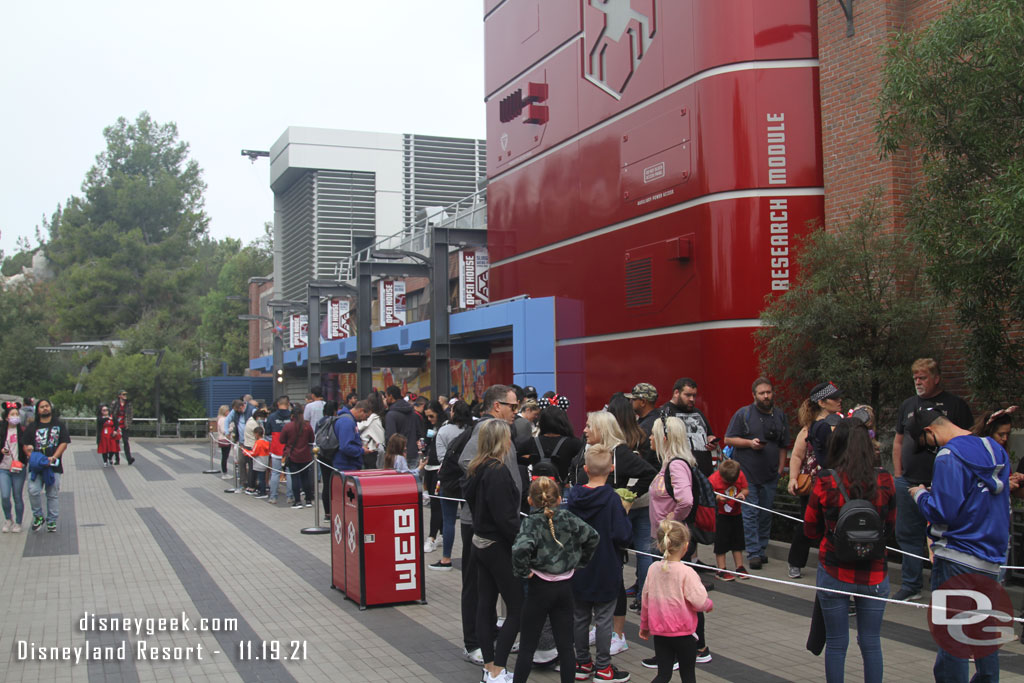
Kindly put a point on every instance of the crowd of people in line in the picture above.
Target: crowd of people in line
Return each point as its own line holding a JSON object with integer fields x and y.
{"x": 550, "y": 520}
{"x": 635, "y": 484}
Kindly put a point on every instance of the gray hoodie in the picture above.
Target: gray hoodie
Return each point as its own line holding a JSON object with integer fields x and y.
{"x": 469, "y": 452}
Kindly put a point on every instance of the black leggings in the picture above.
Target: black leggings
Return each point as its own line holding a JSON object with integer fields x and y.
{"x": 469, "y": 593}
{"x": 701, "y": 644}
{"x": 494, "y": 578}
{"x": 225, "y": 451}
{"x": 800, "y": 548}
{"x": 667, "y": 649}
{"x": 429, "y": 484}
{"x": 544, "y": 599}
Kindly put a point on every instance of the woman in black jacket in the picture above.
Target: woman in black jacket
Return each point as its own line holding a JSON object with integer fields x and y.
{"x": 490, "y": 492}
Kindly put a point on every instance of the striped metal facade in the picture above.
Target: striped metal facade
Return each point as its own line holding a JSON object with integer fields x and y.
{"x": 326, "y": 215}
{"x": 439, "y": 171}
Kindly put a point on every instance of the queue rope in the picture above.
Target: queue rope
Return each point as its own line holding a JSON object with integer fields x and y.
{"x": 769, "y": 579}
{"x": 271, "y": 469}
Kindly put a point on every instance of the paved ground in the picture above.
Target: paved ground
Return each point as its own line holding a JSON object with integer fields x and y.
{"x": 160, "y": 540}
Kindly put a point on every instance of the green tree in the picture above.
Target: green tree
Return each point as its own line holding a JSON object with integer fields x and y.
{"x": 25, "y": 370}
{"x": 954, "y": 94}
{"x": 126, "y": 249}
{"x": 858, "y": 314}
{"x": 137, "y": 373}
{"x": 225, "y": 338}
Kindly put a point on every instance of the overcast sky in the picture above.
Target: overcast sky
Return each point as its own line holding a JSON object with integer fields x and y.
{"x": 232, "y": 75}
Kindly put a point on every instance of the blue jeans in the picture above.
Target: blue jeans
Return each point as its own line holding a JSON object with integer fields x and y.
{"x": 274, "y": 478}
{"x": 950, "y": 669}
{"x": 35, "y": 489}
{"x": 835, "y": 610}
{"x": 911, "y": 534}
{"x": 13, "y": 485}
{"x": 640, "y": 518}
{"x": 449, "y": 513}
{"x": 757, "y": 524}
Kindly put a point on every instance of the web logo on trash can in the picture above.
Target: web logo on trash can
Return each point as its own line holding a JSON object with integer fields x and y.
{"x": 351, "y": 537}
{"x": 971, "y": 616}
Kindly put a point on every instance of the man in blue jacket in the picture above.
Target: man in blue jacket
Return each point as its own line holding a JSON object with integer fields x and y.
{"x": 350, "y": 447}
{"x": 969, "y": 510}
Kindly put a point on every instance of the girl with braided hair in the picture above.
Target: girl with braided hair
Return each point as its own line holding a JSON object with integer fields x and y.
{"x": 552, "y": 543}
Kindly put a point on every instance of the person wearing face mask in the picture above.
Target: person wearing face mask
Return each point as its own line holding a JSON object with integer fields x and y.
{"x": 12, "y": 468}
{"x": 47, "y": 435}
{"x": 912, "y": 466}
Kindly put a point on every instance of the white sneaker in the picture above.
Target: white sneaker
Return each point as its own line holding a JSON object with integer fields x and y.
{"x": 225, "y": 477}
{"x": 619, "y": 643}
{"x": 593, "y": 636}
{"x": 6, "y": 528}
{"x": 16, "y": 529}
{"x": 545, "y": 656}
{"x": 504, "y": 676}
{"x": 476, "y": 656}
{"x": 429, "y": 546}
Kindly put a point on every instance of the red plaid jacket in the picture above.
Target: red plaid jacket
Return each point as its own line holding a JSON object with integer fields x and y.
{"x": 820, "y": 522}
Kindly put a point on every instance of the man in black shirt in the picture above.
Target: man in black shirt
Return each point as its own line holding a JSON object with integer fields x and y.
{"x": 759, "y": 433}
{"x": 912, "y": 466}
{"x": 683, "y": 405}
{"x": 48, "y": 435}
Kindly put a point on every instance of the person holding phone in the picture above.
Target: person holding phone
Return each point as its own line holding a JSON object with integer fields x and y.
{"x": 703, "y": 443}
{"x": 759, "y": 433}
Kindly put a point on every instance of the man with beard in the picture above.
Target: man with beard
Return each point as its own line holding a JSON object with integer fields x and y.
{"x": 402, "y": 419}
{"x": 912, "y": 465}
{"x": 759, "y": 433}
{"x": 48, "y": 435}
{"x": 683, "y": 405}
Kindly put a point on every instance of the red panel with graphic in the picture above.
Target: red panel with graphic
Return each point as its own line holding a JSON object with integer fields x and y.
{"x": 653, "y": 171}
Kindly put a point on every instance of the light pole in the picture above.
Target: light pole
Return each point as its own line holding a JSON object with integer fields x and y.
{"x": 159, "y": 353}
{"x": 278, "y": 357}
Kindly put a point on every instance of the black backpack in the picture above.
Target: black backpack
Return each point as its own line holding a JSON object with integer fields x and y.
{"x": 703, "y": 514}
{"x": 450, "y": 474}
{"x": 859, "y": 535}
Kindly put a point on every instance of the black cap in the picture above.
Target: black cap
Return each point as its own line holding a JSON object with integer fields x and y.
{"x": 922, "y": 417}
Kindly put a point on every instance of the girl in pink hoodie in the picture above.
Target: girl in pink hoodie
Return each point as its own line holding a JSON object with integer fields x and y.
{"x": 673, "y": 594}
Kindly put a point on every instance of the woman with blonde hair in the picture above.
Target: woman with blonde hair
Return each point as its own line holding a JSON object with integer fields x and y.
{"x": 491, "y": 495}
{"x": 672, "y": 498}
{"x": 223, "y": 440}
{"x": 602, "y": 428}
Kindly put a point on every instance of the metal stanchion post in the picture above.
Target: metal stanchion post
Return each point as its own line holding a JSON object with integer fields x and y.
{"x": 212, "y": 470}
{"x": 316, "y": 529}
{"x": 234, "y": 449}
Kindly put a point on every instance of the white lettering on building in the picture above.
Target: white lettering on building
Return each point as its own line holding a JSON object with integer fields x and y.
{"x": 778, "y": 219}
{"x": 776, "y": 149}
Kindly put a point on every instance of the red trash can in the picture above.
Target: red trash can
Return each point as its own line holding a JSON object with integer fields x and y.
{"x": 377, "y": 525}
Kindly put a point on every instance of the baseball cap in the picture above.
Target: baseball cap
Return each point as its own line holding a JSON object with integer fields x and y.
{"x": 644, "y": 391}
{"x": 825, "y": 390}
{"x": 921, "y": 418}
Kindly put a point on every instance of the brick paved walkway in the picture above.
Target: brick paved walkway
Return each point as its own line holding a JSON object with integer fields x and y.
{"x": 160, "y": 539}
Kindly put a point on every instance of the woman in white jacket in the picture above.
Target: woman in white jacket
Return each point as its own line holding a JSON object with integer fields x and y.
{"x": 371, "y": 432}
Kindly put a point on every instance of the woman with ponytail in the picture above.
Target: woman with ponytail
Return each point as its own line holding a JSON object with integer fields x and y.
{"x": 551, "y": 544}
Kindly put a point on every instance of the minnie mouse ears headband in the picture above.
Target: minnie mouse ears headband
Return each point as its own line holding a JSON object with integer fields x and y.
{"x": 11, "y": 405}
{"x": 1000, "y": 413}
{"x": 558, "y": 401}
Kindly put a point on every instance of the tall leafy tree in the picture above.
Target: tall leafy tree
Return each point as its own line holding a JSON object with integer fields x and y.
{"x": 954, "y": 94}
{"x": 225, "y": 338}
{"x": 125, "y": 250}
{"x": 858, "y": 314}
